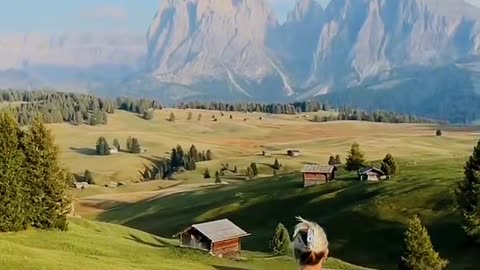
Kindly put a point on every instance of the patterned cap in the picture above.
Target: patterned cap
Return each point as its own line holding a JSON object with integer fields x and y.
{"x": 316, "y": 238}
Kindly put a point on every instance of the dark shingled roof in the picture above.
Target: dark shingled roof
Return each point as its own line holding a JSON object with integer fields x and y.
{"x": 315, "y": 168}
{"x": 219, "y": 230}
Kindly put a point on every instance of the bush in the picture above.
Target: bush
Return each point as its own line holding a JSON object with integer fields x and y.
{"x": 439, "y": 132}
{"x": 390, "y": 165}
{"x": 280, "y": 243}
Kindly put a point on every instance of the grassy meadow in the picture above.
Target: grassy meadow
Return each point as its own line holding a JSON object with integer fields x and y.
{"x": 364, "y": 222}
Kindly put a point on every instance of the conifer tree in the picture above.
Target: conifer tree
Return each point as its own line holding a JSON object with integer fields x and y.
{"x": 116, "y": 144}
{"x": 355, "y": 159}
{"x": 331, "y": 160}
{"x": 199, "y": 117}
{"x": 249, "y": 173}
{"x": 129, "y": 144}
{"x": 189, "y": 116}
{"x": 172, "y": 117}
{"x": 276, "y": 165}
{"x": 13, "y": 198}
{"x": 193, "y": 153}
{"x": 78, "y": 120}
{"x": 439, "y": 133}
{"x": 392, "y": 164}
{"x": 254, "y": 168}
{"x": 468, "y": 196}
{"x": 135, "y": 148}
{"x": 102, "y": 147}
{"x": 88, "y": 177}
{"x": 419, "y": 253}
{"x": 386, "y": 168}
{"x": 235, "y": 170}
{"x": 48, "y": 182}
{"x": 280, "y": 243}
{"x": 206, "y": 174}
{"x": 338, "y": 160}
{"x": 209, "y": 155}
{"x": 217, "y": 178}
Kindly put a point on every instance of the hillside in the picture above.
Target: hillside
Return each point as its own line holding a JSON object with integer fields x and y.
{"x": 364, "y": 222}
{"x": 94, "y": 245}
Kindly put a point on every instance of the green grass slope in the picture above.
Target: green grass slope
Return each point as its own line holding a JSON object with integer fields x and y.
{"x": 95, "y": 245}
{"x": 365, "y": 222}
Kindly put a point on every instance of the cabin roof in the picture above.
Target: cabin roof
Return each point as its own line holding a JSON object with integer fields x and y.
{"x": 219, "y": 230}
{"x": 371, "y": 169}
{"x": 315, "y": 168}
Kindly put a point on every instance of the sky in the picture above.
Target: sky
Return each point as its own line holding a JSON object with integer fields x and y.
{"x": 58, "y": 16}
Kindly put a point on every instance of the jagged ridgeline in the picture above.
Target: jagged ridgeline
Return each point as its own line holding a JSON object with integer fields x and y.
{"x": 58, "y": 107}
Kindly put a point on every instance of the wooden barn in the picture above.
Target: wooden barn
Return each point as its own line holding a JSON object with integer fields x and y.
{"x": 293, "y": 153}
{"x": 220, "y": 238}
{"x": 372, "y": 174}
{"x": 318, "y": 174}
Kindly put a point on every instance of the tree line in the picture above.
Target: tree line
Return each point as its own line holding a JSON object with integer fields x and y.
{"x": 342, "y": 112}
{"x": 33, "y": 186}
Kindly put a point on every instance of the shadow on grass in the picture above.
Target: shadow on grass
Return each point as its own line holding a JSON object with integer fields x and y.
{"x": 219, "y": 267}
{"x": 349, "y": 211}
{"x": 161, "y": 243}
{"x": 84, "y": 151}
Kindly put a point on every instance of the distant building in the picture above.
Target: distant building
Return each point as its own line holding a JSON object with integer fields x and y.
{"x": 113, "y": 150}
{"x": 80, "y": 185}
{"x": 372, "y": 174}
{"x": 293, "y": 153}
{"x": 318, "y": 174}
{"x": 220, "y": 238}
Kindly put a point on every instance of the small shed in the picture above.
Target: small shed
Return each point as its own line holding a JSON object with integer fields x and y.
{"x": 220, "y": 238}
{"x": 314, "y": 174}
{"x": 372, "y": 174}
{"x": 80, "y": 185}
{"x": 293, "y": 153}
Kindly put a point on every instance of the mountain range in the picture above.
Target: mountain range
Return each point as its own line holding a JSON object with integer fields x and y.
{"x": 239, "y": 50}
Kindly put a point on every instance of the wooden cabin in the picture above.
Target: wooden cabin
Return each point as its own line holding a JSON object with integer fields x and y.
{"x": 293, "y": 153}
{"x": 372, "y": 174}
{"x": 220, "y": 238}
{"x": 314, "y": 174}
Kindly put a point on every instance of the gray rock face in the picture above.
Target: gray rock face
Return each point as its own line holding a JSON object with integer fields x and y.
{"x": 314, "y": 51}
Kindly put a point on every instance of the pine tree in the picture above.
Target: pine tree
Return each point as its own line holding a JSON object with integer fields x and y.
{"x": 418, "y": 249}
{"x": 280, "y": 243}
{"x": 392, "y": 164}
{"x": 355, "y": 159}
{"x": 189, "y": 116}
{"x": 88, "y": 177}
{"x": 172, "y": 117}
{"x": 439, "y": 133}
{"x": 217, "y": 178}
{"x": 338, "y": 160}
{"x": 116, "y": 144}
{"x": 276, "y": 165}
{"x": 235, "y": 170}
{"x": 468, "y": 196}
{"x": 331, "y": 160}
{"x": 135, "y": 148}
{"x": 78, "y": 119}
{"x": 129, "y": 144}
{"x": 206, "y": 174}
{"x": 48, "y": 182}
{"x": 102, "y": 147}
{"x": 193, "y": 153}
{"x": 209, "y": 155}
{"x": 249, "y": 173}
{"x": 199, "y": 117}
{"x": 13, "y": 198}
{"x": 386, "y": 168}
{"x": 254, "y": 168}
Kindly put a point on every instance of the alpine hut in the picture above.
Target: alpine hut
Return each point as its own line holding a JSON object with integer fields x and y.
{"x": 314, "y": 174}
{"x": 220, "y": 238}
{"x": 371, "y": 174}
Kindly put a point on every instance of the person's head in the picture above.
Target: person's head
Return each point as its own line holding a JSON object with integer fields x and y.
{"x": 310, "y": 244}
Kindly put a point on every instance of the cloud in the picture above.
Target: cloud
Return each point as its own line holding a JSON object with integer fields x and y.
{"x": 107, "y": 12}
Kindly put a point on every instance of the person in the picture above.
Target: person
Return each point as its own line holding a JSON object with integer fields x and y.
{"x": 310, "y": 245}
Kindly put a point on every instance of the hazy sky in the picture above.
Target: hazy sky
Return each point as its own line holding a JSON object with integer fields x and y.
{"x": 54, "y": 16}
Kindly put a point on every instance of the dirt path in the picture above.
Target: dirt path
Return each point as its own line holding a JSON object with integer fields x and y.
{"x": 94, "y": 205}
